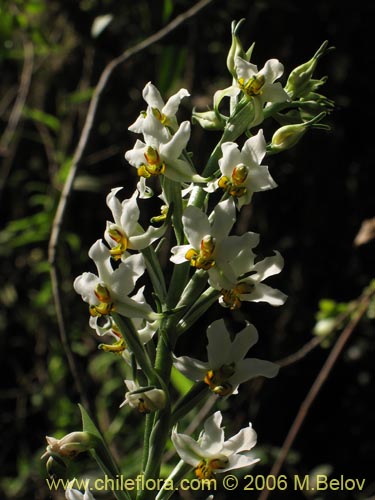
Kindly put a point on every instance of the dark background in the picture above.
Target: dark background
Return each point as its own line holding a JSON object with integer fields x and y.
{"x": 325, "y": 192}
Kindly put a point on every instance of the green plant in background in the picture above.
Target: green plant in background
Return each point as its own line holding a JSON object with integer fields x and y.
{"x": 207, "y": 264}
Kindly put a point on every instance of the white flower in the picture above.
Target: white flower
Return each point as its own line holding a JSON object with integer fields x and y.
{"x": 109, "y": 291}
{"x": 242, "y": 172}
{"x": 126, "y": 233}
{"x": 164, "y": 112}
{"x": 260, "y": 84}
{"x": 72, "y": 494}
{"x": 226, "y": 367}
{"x": 160, "y": 155}
{"x": 104, "y": 325}
{"x": 145, "y": 400}
{"x": 210, "y": 247}
{"x": 248, "y": 284}
{"x": 211, "y": 454}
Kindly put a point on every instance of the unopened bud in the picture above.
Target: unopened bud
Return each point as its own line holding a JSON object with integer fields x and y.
{"x": 289, "y": 135}
{"x": 300, "y": 77}
{"x": 70, "y": 445}
{"x": 236, "y": 49}
{"x": 209, "y": 120}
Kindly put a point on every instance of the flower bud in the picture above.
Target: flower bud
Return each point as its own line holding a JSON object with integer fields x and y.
{"x": 209, "y": 120}
{"x": 300, "y": 77}
{"x": 144, "y": 399}
{"x": 70, "y": 445}
{"x": 236, "y": 49}
{"x": 289, "y": 135}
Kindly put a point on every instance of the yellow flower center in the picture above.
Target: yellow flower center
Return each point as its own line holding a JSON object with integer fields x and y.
{"x": 205, "y": 468}
{"x": 160, "y": 116}
{"x": 153, "y": 165}
{"x": 105, "y": 305}
{"x": 235, "y": 185}
{"x": 122, "y": 243}
{"x": 117, "y": 347}
{"x": 217, "y": 380}
{"x": 253, "y": 86}
{"x": 203, "y": 259}
{"x": 231, "y": 298}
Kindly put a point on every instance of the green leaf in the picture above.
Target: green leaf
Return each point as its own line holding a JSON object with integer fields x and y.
{"x": 88, "y": 425}
{"x": 40, "y": 116}
{"x": 180, "y": 382}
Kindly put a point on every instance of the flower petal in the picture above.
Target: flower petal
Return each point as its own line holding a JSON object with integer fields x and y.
{"x": 219, "y": 344}
{"x": 244, "y": 440}
{"x": 171, "y": 106}
{"x": 268, "y": 266}
{"x": 250, "y": 368}
{"x": 212, "y": 438}
{"x": 177, "y": 143}
{"x": 243, "y": 341}
{"x": 196, "y": 225}
{"x": 188, "y": 449}
{"x": 264, "y": 293}
{"x": 191, "y": 368}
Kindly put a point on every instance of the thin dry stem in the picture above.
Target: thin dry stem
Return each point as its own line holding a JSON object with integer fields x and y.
{"x": 324, "y": 373}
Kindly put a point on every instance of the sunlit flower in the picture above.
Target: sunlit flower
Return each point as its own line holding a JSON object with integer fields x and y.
{"x": 159, "y": 155}
{"x": 164, "y": 112}
{"x": 211, "y": 454}
{"x": 109, "y": 291}
{"x": 248, "y": 284}
{"x": 145, "y": 400}
{"x": 226, "y": 366}
{"x": 210, "y": 247}
{"x": 126, "y": 233}
{"x": 261, "y": 84}
{"x": 241, "y": 171}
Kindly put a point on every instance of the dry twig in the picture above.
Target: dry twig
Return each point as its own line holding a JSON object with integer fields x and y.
{"x": 326, "y": 369}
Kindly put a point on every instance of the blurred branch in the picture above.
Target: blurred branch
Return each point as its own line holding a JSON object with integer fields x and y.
{"x": 363, "y": 304}
{"x": 318, "y": 339}
{"x": 77, "y": 158}
{"x": 16, "y": 113}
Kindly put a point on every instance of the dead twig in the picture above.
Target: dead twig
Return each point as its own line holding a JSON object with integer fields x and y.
{"x": 326, "y": 369}
{"x": 16, "y": 113}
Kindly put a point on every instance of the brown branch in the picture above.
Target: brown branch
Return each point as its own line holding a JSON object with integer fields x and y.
{"x": 317, "y": 340}
{"x": 326, "y": 369}
{"x": 77, "y": 159}
{"x": 16, "y": 113}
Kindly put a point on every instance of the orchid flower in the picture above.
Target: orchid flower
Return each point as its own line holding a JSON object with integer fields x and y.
{"x": 105, "y": 325}
{"x": 241, "y": 171}
{"x": 226, "y": 367}
{"x": 109, "y": 291}
{"x": 126, "y": 233}
{"x": 164, "y": 112}
{"x": 145, "y": 400}
{"x": 160, "y": 155}
{"x": 248, "y": 284}
{"x": 211, "y": 454}
{"x": 210, "y": 247}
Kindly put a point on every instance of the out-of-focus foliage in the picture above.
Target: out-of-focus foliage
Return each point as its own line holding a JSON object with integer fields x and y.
{"x": 325, "y": 192}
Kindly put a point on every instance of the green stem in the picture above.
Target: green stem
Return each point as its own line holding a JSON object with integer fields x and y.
{"x": 189, "y": 401}
{"x": 131, "y": 337}
{"x": 109, "y": 468}
{"x": 175, "y": 477}
{"x": 155, "y": 272}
